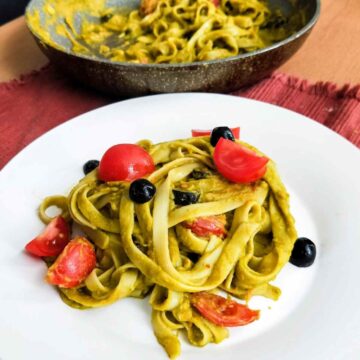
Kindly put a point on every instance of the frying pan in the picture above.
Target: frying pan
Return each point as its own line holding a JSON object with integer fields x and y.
{"x": 128, "y": 79}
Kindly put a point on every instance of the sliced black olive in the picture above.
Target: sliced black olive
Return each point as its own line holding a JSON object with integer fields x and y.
{"x": 90, "y": 166}
{"x": 105, "y": 18}
{"x": 193, "y": 257}
{"x": 138, "y": 244}
{"x": 199, "y": 174}
{"x": 221, "y": 132}
{"x": 141, "y": 191}
{"x": 185, "y": 197}
{"x": 303, "y": 253}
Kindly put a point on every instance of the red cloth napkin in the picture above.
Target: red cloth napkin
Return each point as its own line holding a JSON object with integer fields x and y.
{"x": 41, "y": 100}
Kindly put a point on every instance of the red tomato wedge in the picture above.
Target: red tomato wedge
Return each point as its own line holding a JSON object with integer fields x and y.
{"x": 222, "y": 311}
{"x": 52, "y": 240}
{"x": 207, "y": 225}
{"x": 196, "y": 132}
{"x": 237, "y": 163}
{"x": 217, "y": 4}
{"x": 73, "y": 265}
{"x": 125, "y": 162}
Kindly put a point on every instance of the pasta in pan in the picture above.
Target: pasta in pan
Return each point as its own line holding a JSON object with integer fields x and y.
{"x": 182, "y": 31}
{"x": 151, "y": 248}
{"x": 163, "y": 31}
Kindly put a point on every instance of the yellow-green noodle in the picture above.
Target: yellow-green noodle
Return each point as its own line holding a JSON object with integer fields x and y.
{"x": 144, "y": 248}
{"x": 163, "y": 31}
{"x": 182, "y": 31}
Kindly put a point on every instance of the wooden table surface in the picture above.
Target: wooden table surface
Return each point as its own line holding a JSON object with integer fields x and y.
{"x": 331, "y": 53}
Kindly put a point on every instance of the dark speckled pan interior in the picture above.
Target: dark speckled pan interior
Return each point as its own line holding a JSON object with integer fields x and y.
{"x": 225, "y": 75}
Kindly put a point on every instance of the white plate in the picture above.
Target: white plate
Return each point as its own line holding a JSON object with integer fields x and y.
{"x": 318, "y": 314}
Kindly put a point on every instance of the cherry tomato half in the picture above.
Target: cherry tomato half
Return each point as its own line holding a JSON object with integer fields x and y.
{"x": 52, "y": 240}
{"x": 207, "y": 225}
{"x": 196, "y": 132}
{"x": 237, "y": 163}
{"x": 222, "y": 311}
{"x": 73, "y": 265}
{"x": 125, "y": 162}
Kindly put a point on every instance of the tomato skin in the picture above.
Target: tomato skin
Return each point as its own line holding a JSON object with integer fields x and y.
{"x": 237, "y": 163}
{"x": 52, "y": 240}
{"x": 73, "y": 265}
{"x": 197, "y": 132}
{"x": 217, "y": 4}
{"x": 207, "y": 225}
{"x": 222, "y": 311}
{"x": 125, "y": 162}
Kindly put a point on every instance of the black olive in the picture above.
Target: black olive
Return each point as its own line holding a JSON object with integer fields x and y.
{"x": 141, "y": 191}
{"x": 193, "y": 257}
{"x": 199, "y": 174}
{"x": 90, "y": 166}
{"x": 221, "y": 132}
{"x": 303, "y": 253}
{"x": 185, "y": 197}
{"x": 105, "y": 18}
{"x": 138, "y": 244}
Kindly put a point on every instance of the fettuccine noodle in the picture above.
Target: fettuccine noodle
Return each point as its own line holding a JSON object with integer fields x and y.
{"x": 182, "y": 31}
{"x": 144, "y": 249}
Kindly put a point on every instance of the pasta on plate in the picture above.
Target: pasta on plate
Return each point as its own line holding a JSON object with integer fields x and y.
{"x": 152, "y": 248}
